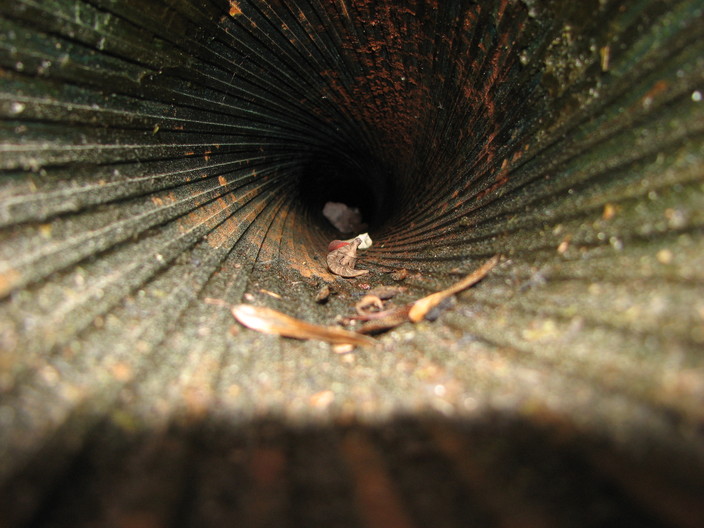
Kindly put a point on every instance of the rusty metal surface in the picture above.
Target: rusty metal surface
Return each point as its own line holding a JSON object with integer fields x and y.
{"x": 157, "y": 155}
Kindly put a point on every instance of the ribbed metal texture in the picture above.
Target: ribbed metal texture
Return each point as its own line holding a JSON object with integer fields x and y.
{"x": 157, "y": 154}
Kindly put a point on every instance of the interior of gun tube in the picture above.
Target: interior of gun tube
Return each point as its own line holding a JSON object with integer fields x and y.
{"x": 164, "y": 161}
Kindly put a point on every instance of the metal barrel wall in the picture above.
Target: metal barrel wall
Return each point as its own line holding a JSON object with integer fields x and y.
{"x": 164, "y": 160}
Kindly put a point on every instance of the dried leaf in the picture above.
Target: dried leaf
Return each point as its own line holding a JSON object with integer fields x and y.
{"x": 421, "y": 307}
{"x": 386, "y": 320}
{"x": 342, "y": 260}
{"x": 369, "y": 303}
{"x": 337, "y": 244}
{"x": 270, "y": 321}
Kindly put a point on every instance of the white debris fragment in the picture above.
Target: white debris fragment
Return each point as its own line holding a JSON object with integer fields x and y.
{"x": 366, "y": 241}
{"x": 346, "y": 219}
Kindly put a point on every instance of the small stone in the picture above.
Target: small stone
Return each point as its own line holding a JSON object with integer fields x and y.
{"x": 343, "y": 349}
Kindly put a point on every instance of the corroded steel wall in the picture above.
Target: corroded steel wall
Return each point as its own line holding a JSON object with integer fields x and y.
{"x": 162, "y": 159}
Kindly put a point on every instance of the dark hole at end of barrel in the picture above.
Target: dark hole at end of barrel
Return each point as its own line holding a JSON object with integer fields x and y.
{"x": 352, "y": 195}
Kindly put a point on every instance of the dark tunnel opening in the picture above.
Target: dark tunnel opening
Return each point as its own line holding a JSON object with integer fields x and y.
{"x": 361, "y": 185}
{"x": 164, "y": 161}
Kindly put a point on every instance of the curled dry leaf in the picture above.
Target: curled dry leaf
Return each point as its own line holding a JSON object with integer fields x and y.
{"x": 337, "y": 244}
{"x": 421, "y": 307}
{"x": 270, "y": 321}
{"x": 369, "y": 303}
{"x": 386, "y": 320}
{"x": 376, "y": 322}
{"x": 342, "y": 260}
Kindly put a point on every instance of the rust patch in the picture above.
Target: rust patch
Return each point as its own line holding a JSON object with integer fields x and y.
{"x": 343, "y": 7}
{"x": 271, "y": 241}
{"x": 8, "y": 280}
{"x": 659, "y": 88}
{"x": 609, "y": 211}
{"x": 389, "y": 89}
{"x": 225, "y": 232}
{"x": 299, "y": 259}
{"x": 235, "y": 9}
{"x": 209, "y": 214}
{"x": 163, "y": 199}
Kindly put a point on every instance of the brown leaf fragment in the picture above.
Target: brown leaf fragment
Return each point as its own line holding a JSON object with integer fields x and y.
{"x": 369, "y": 303}
{"x": 337, "y": 244}
{"x": 268, "y": 321}
{"x": 342, "y": 260}
{"x": 386, "y": 320}
{"x": 420, "y": 308}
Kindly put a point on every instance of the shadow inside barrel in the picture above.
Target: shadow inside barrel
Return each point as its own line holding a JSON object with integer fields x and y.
{"x": 424, "y": 470}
